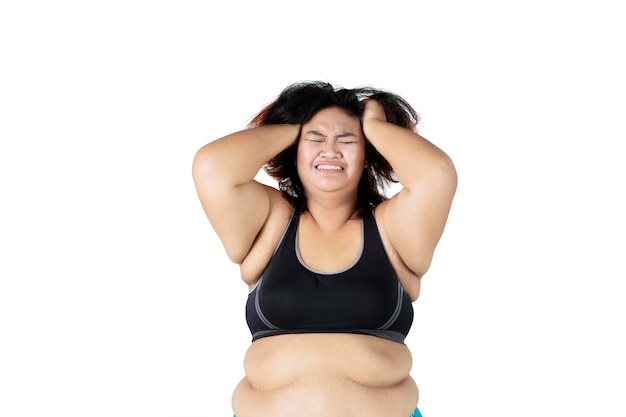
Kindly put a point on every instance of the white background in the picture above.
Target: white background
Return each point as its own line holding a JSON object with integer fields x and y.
{"x": 116, "y": 299}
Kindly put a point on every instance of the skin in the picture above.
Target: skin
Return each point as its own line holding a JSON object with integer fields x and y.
{"x": 326, "y": 374}
{"x": 331, "y": 159}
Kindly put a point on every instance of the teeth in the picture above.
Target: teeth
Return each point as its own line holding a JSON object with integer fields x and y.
{"x": 331, "y": 167}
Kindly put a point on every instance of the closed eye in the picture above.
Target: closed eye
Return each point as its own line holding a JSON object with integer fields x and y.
{"x": 346, "y": 138}
{"x": 315, "y": 136}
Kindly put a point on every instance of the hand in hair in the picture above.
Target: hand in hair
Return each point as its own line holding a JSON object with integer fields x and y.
{"x": 373, "y": 110}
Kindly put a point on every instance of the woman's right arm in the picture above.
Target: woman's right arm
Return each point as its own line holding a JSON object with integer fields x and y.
{"x": 223, "y": 172}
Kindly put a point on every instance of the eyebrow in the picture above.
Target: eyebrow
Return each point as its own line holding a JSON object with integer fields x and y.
{"x": 341, "y": 135}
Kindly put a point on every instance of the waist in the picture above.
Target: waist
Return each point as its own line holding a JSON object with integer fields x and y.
{"x": 277, "y": 361}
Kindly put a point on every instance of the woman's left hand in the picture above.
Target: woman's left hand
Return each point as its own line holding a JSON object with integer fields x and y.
{"x": 374, "y": 110}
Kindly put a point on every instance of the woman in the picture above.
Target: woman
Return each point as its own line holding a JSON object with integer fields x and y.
{"x": 332, "y": 264}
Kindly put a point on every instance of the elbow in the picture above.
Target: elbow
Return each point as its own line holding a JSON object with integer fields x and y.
{"x": 205, "y": 166}
{"x": 201, "y": 160}
{"x": 442, "y": 172}
{"x": 439, "y": 173}
{"x": 449, "y": 173}
{"x": 199, "y": 163}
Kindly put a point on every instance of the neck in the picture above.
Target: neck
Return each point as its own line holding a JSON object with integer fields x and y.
{"x": 331, "y": 217}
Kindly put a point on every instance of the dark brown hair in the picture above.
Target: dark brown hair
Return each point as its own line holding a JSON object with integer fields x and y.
{"x": 299, "y": 102}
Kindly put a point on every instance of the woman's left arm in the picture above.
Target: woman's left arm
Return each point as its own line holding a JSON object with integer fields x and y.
{"x": 414, "y": 219}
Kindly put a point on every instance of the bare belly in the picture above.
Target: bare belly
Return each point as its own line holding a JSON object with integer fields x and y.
{"x": 326, "y": 375}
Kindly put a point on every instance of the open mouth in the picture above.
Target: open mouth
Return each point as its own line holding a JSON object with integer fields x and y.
{"x": 326, "y": 167}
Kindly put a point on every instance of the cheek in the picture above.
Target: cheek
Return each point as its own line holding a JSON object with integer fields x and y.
{"x": 300, "y": 156}
{"x": 302, "y": 160}
{"x": 304, "y": 154}
{"x": 358, "y": 157}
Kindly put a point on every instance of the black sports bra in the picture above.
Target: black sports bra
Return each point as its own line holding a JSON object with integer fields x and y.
{"x": 364, "y": 298}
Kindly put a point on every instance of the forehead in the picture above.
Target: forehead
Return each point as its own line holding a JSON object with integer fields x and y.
{"x": 334, "y": 118}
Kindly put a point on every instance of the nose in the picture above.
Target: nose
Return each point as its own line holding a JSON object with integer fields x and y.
{"x": 330, "y": 149}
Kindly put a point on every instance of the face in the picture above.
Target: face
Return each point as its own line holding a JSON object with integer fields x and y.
{"x": 331, "y": 152}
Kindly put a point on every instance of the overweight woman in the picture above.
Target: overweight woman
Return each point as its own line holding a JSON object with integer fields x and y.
{"x": 332, "y": 264}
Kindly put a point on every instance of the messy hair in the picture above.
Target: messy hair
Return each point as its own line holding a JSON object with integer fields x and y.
{"x": 299, "y": 102}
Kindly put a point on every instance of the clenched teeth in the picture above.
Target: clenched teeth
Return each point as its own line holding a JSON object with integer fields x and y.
{"x": 330, "y": 167}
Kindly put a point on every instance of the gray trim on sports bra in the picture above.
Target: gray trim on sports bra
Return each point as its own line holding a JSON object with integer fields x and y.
{"x": 335, "y": 272}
